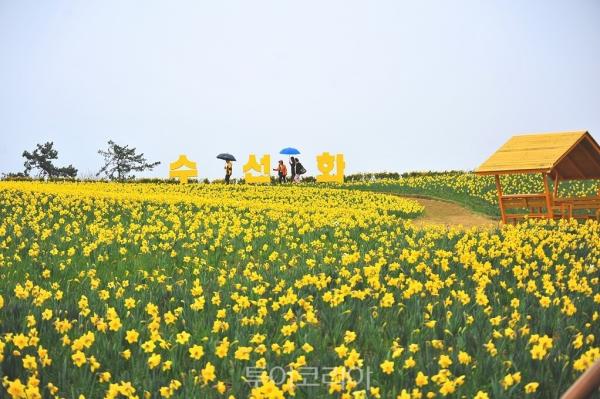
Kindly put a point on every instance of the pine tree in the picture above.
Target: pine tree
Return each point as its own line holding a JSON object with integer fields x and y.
{"x": 120, "y": 161}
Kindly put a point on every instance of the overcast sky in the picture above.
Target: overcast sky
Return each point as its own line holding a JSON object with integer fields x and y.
{"x": 393, "y": 85}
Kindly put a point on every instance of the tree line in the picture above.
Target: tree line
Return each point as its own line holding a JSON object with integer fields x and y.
{"x": 119, "y": 163}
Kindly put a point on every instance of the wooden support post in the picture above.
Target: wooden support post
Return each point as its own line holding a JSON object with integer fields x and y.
{"x": 555, "y": 193}
{"x": 500, "y": 204}
{"x": 548, "y": 196}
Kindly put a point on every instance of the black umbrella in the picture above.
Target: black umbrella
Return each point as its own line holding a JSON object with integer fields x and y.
{"x": 226, "y": 157}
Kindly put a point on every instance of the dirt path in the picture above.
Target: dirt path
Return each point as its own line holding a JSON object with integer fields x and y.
{"x": 439, "y": 212}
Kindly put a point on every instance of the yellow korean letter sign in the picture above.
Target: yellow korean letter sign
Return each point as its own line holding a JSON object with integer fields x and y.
{"x": 263, "y": 168}
{"x": 326, "y": 162}
{"x": 183, "y": 169}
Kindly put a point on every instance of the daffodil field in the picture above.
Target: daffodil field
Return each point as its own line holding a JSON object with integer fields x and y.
{"x": 131, "y": 290}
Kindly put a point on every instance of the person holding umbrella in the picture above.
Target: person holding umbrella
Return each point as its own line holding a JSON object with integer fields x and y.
{"x": 228, "y": 165}
{"x": 293, "y": 168}
{"x": 228, "y": 170}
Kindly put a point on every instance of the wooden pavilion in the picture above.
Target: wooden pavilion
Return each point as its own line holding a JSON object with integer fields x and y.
{"x": 557, "y": 157}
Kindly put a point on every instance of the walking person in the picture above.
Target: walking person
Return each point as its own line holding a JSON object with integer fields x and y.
{"x": 293, "y": 168}
{"x": 281, "y": 172}
{"x": 228, "y": 170}
{"x": 299, "y": 170}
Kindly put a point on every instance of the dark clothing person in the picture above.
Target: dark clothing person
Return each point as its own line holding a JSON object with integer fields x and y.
{"x": 293, "y": 168}
{"x": 228, "y": 171}
{"x": 299, "y": 169}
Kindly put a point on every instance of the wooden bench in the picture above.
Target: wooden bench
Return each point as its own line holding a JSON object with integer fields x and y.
{"x": 536, "y": 206}
{"x": 589, "y": 204}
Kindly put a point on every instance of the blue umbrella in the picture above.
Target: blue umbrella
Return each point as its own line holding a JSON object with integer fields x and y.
{"x": 289, "y": 151}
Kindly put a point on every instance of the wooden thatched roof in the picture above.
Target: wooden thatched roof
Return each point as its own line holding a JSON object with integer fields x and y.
{"x": 571, "y": 155}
